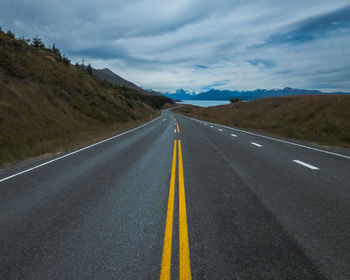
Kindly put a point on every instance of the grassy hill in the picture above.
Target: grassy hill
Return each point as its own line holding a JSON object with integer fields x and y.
{"x": 49, "y": 105}
{"x": 322, "y": 119}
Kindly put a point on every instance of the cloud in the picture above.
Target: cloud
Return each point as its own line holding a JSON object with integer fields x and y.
{"x": 336, "y": 23}
{"x": 215, "y": 85}
{"x": 196, "y": 43}
{"x": 201, "y": 66}
{"x": 262, "y": 63}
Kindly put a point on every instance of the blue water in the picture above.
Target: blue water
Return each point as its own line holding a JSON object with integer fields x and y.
{"x": 205, "y": 103}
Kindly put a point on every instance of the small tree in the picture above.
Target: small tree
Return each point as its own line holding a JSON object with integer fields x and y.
{"x": 37, "y": 42}
{"x": 234, "y": 100}
{"x": 89, "y": 69}
{"x": 10, "y": 34}
{"x": 56, "y": 50}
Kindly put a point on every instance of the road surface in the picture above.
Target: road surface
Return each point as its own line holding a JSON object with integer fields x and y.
{"x": 178, "y": 199}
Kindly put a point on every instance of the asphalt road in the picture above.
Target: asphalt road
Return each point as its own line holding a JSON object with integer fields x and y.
{"x": 178, "y": 200}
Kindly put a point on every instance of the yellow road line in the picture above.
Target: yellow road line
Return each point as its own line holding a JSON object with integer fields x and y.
{"x": 184, "y": 253}
{"x": 166, "y": 257}
{"x": 177, "y": 126}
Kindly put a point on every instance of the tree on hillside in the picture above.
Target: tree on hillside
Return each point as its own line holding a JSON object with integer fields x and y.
{"x": 89, "y": 69}
{"x": 56, "y": 50}
{"x": 10, "y": 34}
{"x": 37, "y": 42}
{"x": 234, "y": 100}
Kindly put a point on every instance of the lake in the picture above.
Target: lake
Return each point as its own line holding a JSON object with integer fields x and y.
{"x": 205, "y": 103}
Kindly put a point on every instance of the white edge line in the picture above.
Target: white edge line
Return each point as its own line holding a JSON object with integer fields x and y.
{"x": 77, "y": 151}
{"x": 306, "y": 164}
{"x": 278, "y": 140}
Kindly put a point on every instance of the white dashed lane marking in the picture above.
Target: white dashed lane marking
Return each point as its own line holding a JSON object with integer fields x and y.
{"x": 306, "y": 164}
{"x": 260, "y": 146}
{"x": 256, "y": 144}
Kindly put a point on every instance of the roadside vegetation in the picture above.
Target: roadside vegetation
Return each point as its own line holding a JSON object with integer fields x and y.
{"x": 48, "y": 105}
{"x": 322, "y": 119}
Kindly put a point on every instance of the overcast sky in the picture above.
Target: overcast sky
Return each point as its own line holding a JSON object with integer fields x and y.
{"x": 198, "y": 44}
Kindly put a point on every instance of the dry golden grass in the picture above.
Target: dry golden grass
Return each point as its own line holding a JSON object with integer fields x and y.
{"x": 321, "y": 119}
{"x": 47, "y": 105}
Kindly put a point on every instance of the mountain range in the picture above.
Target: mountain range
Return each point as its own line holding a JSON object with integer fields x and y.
{"x": 215, "y": 94}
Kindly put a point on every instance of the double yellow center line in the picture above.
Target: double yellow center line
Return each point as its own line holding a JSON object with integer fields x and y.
{"x": 184, "y": 250}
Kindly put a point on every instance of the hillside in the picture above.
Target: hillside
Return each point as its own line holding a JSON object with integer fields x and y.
{"x": 321, "y": 119}
{"x": 111, "y": 77}
{"x": 49, "y": 105}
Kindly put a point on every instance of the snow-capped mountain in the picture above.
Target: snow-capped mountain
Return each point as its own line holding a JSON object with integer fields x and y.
{"x": 180, "y": 94}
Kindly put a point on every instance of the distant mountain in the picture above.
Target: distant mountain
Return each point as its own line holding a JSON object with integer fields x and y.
{"x": 180, "y": 94}
{"x": 215, "y": 94}
{"x": 251, "y": 95}
{"x": 109, "y": 76}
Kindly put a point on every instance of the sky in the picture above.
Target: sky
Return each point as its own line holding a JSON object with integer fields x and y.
{"x": 197, "y": 44}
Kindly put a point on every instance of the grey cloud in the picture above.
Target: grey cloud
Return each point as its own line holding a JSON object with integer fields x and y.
{"x": 196, "y": 43}
{"x": 100, "y": 53}
{"x": 330, "y": 24}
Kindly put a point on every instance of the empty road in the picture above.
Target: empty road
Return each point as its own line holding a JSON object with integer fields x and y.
{"x": 178, "y": 198}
